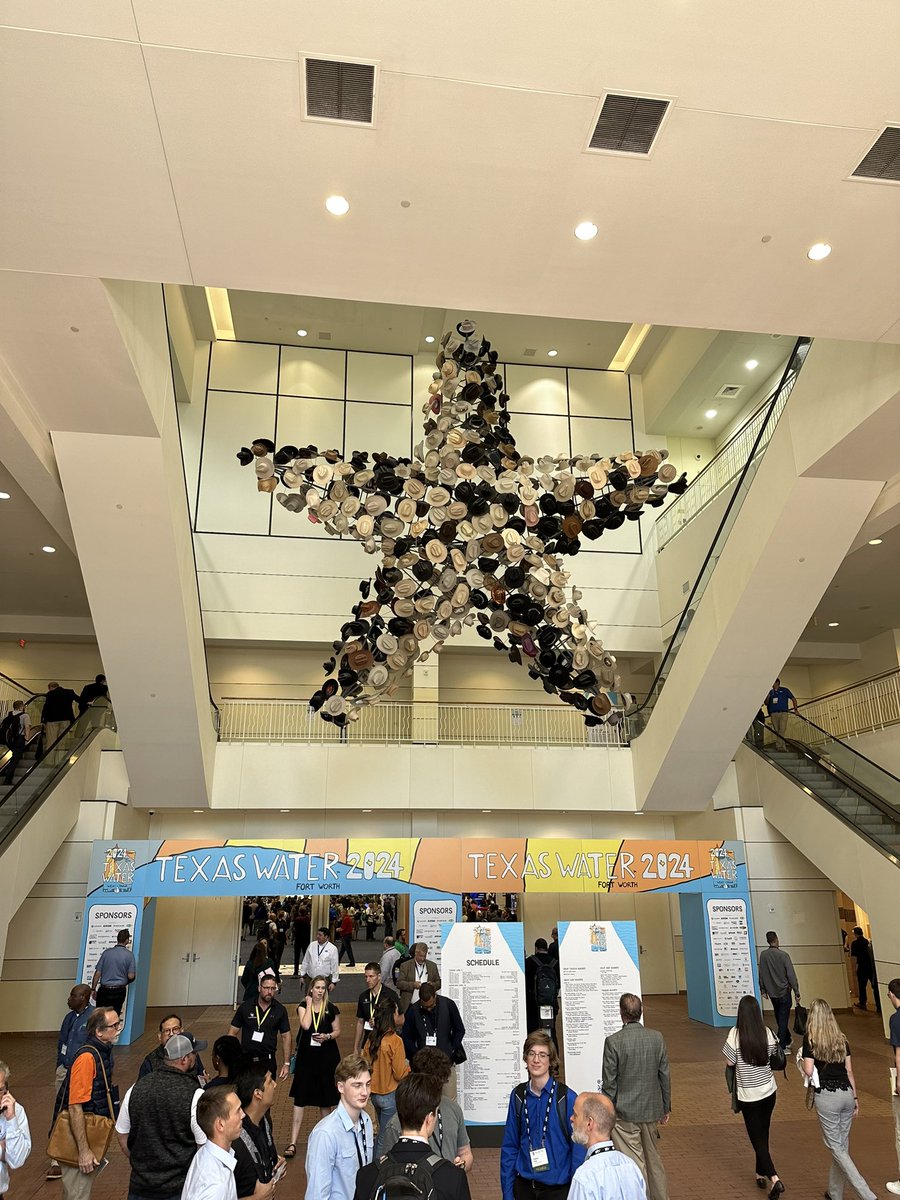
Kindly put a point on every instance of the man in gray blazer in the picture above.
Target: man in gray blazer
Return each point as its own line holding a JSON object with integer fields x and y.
{"x": 636, "y": 1079}
{"x": 411, "y": 975}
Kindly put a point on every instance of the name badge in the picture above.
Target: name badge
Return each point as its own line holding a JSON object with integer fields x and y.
{"x": 64, "y": 1047}
{"x": 257, "y": 1036}
{"x": 430, "y": 1039}
{"x": 314, "y": 1044}
{"x": 539, "y": 1159}
{"x": 368, "y": 1026}
{"x": 546, "y": 1012}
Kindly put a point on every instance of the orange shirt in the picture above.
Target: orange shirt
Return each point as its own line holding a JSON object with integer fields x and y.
{"x": 390, "y": 1065}
{"x": 81, "y": 1078}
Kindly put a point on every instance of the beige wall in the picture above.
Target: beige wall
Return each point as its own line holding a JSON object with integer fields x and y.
{"x": 71, "y": 664}
{"x": 877, "y": 655}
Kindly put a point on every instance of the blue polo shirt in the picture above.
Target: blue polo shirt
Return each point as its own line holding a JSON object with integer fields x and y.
{"x": 564, "y": 1156}
{"x": 777, "y": 700}
{"x": 115, "y": 965}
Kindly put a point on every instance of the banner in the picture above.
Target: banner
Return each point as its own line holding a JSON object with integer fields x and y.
{"x": 598, "y": 961}
{"x": 483, "y": 973}
{"x": 732, "y": 958}
{"x": 427, "y": 917}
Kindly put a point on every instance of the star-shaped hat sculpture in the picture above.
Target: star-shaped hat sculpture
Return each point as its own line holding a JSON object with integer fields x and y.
{"x": 470, "y": 532}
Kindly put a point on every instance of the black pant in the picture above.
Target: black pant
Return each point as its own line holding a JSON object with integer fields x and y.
{"x": 111, "y": 997}
{"x": 529, "y": 1189}
{"x": 757, "y": 1116}
{"x": 863, "y": 979}
{"x": 346, "y": 947}
{"x": 781, "y": 1006}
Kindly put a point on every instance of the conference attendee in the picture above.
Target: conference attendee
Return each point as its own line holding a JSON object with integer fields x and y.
{"x": 93, "y": 691}
{"x": 116, "y": 969}
{"x": 317, "y": 1058}
{"x": 414, "y": 972}
{"x": 16, "y": 732}
{"x": 72, "y": 1036}
{"x": 321, "y": 958}
{"x": 826, "y": 1061}
{"x": 261, "y": 1024}
{"x": 861, "y": 951}
{"x": 346, "y": 932}
{"x": 418, "y": 1103}
{"x": 636, "y": 1079}
{"x": 387, "y": 1058}
{"x": 169, "y": 1026}
{"x": 777, "y": 980}
{"x": 15, "y": 1136}
{"x": 893, "y": 991}
{"x": 777, "y": 703}
{"x": 366, "y": 1004}
{"x": 300, "y": 933}
{"x": 211, "y": 1173}
{"x": 553, "y": 947}
{"x": 449, "y": 1138}
{"x": 157, "y": 1126}
{"x": 606, "y": 1173}
{"x": 538, "y": 1155}
{"x": 85, "y": 1091}
{"x": 390, "y": 957}
{"x": 258, "y": 1164}
{"x": 259, "y": 962}
{"x": 401, "y": 943}
{"x": 542, "y": 989}
{"x": 226, "y": 1054}
{"x": 748, "y": 1048}
{"x": 435, "y": 1021}
{"x": 342, "y": 1143}
{"x": 57, "y": 715}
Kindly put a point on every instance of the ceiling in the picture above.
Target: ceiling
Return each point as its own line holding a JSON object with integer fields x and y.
{"x": 33, "y": 583}
{"x": 163, "y": 140}
{"x": 863, "y": 597}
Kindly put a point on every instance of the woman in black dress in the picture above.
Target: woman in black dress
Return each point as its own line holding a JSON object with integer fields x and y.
{"x": 317, "y": 1057}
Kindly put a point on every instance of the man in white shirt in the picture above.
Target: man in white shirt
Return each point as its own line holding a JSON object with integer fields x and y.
{"x": 15, "y": 1136}
{"x": 321, "y": 958}
{"x": 211, "y": 1174}
{"x": 343, "y": 1142}
{"x": 606, "y": 1173}
{"x": 388, "y": 959}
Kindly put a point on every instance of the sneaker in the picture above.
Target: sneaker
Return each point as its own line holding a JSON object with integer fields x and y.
{"x": 894, "y": 1187}
{"x": 54, "y": 1171}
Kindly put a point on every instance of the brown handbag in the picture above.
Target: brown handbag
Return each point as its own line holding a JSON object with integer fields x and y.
{"x": 98, "y": 1130}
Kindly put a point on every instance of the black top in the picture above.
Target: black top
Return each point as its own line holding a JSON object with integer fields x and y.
{"x": 256, "y": 1155}
{"x": 832, "y": 1076}
{"x": 58, "y": 705}
{"x": 450, "y": 1182}
{"x": 270, "y": 1022}
{"x": 365, "y": 1009}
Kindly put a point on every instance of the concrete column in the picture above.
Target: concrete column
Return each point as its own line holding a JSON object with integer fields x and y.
{"x": 425, "y": 695}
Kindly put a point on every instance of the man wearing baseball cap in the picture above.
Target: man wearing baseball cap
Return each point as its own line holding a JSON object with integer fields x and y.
{"x": 157, "y": 1123}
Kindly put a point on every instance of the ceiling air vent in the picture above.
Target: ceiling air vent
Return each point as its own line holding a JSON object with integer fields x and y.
{"x": 628, "y": 124}
{"x": 529, "y": 353}
{"x": 339, "y": 91}
{"x": 883, "y": 160}
{"x": 729, "y": 391}
{"x": 324, "y": 336}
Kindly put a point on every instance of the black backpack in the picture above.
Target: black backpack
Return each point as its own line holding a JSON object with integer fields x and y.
{"x": 546, "y": 984}
{"x": 562, "y": 1108}
{"x": 11, "y": 731}
{"x": 396, "y": 1180}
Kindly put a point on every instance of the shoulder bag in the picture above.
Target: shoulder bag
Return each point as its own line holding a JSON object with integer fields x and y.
{"x": 98, "y": 1131}
{"x": 731, "y": 1084}
{"x": 799, "y": 1020}
{"x": 777, "y": 1058}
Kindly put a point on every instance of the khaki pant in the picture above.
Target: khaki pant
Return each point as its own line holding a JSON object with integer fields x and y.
{"x": 52, "y": 731}
{"x": 638, "y": 1141}
{"x": 76, "y": 1185}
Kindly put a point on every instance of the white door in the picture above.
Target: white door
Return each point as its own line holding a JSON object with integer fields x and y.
{"x": 195, "y": 944}
{"x": 170, "y": 963}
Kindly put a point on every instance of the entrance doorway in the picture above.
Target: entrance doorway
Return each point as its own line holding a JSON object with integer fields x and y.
{"x": 195, "y": 950}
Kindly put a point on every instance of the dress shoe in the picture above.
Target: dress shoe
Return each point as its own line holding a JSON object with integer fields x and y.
{"x": 777, "y": 1189}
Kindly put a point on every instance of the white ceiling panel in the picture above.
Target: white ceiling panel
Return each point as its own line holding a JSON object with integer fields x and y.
{"x": 88, "y": 18}
{"x": 85, "y": 189}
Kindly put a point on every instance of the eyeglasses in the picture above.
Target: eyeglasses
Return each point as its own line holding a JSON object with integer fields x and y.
{"x": 538, "y": 1054}
{"x": 114, "y": 1025}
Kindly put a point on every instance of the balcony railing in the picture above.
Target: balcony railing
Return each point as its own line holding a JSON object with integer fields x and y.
{"x": 861, "y": 708}
{"x": 398, "y": 722}
{"x": 722, "y": 470}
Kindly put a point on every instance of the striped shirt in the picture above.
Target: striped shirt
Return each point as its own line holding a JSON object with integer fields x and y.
{"x": 753, "y": 1083}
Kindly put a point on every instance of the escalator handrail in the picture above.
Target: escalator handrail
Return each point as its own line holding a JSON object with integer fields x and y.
{"x": 790, "y": 370}
{"x": 865, "y": 793}
{"x": 848, "y": 747}
{"x": 88, "y": 728}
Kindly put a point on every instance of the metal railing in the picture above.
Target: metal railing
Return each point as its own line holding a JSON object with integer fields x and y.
{"x": 860, "y": 708}
{"x": 725, "y": 467}
{"x": 401, "y": 722}
{"x": 10, "y": 692}
{"x": 636, "y": 719}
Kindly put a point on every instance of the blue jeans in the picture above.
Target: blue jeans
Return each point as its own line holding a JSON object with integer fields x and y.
{"x": 385, "y": 1106}
{"x": 782, "y": 1007}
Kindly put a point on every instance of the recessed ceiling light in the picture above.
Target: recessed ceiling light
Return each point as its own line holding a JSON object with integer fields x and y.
{"x": 833, "y": 624}
{"x": 4, "y": 495}
{"x": 284, "y": 810}
{"x": 49, "y": 549}
{"x": 710, "y": 413}
{"x": 819, "y": 251}
{"x": 337, "y": 205}
{"x": 751, "y": 364}
{"x": 302, "y": 332}
{"x": 198, "y": 810}
{"x": 367, "y": 810}
{"x": 430, "y": 338}
{"x": 875, "y": 542}
{"x": 487, "y": 810}
{"x": 585, "y": 230}
{"x": 552, "y": 353}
